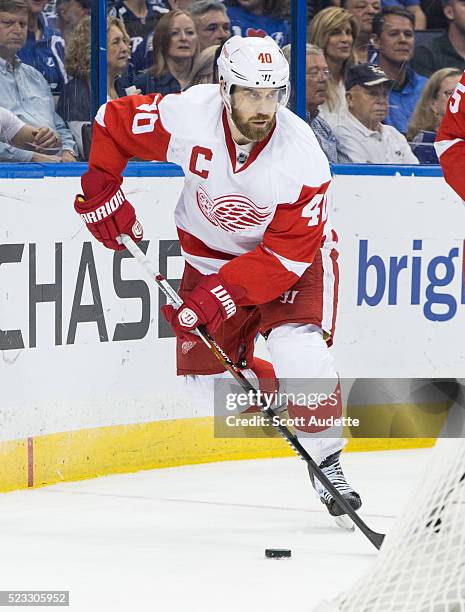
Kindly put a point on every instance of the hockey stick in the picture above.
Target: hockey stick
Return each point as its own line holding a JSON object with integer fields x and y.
{"x": 375, "y": 538}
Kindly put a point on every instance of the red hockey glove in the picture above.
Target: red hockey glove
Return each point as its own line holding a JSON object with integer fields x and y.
{"x": 210, "y": 303}
{"x": 105, "y": 210}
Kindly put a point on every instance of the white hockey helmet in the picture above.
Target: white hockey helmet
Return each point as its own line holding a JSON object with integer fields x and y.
{"x": 253, "y": 62}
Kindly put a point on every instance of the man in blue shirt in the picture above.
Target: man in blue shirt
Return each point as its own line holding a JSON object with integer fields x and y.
{"x": 44, "y": 48}
{"x": 24, "y": 91}
{"x": 394, "y": 38}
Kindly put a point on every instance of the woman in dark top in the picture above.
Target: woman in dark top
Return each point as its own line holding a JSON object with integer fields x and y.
{"x": 175, "y": 47}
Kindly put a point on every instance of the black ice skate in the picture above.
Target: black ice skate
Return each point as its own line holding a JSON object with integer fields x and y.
{"x": 331, "y": 467}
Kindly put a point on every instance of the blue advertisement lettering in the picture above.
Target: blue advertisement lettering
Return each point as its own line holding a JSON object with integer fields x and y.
{"x": 431, "y": 284}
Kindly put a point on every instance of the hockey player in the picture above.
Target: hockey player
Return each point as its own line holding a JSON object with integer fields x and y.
{"x": 450, "y": 139}
{"x": 252, "y": 223}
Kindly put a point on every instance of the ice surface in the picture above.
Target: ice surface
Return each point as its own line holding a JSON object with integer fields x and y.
{"x": 192, "y": 539}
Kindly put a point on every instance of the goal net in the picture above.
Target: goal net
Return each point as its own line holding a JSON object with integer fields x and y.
{"x": 421, "y": 565}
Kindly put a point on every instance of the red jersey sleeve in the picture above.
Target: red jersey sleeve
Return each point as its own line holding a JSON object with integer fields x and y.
{"x": 288, "y": 248}
{"x": 450, "y": 140}
{"x": 128, "y": 127}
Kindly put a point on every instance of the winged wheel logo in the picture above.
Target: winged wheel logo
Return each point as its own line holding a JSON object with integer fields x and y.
{"x": 232, "y": 213}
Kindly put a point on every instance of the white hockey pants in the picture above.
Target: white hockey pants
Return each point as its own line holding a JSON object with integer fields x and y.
{"x": 297, "y": 351}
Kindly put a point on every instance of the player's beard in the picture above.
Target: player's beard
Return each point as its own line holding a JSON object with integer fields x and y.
{"x": 250, "y": 131}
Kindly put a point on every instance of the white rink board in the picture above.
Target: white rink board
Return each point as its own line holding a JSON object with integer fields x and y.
{"x": 87, "y": 383}
{"x": 72, "y": 383}
{"x": 399, "y": 340}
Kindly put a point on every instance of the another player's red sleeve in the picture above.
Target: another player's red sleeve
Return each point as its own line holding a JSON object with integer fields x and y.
{"x": 288, "y": 248}
{"x": 450, "y": 140}
{"x": 124, "y": 128}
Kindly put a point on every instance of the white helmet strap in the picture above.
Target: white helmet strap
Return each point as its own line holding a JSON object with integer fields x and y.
{"x": 226, "y": 96}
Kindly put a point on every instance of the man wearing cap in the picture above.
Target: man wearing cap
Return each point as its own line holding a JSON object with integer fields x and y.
{"x": 361, "y": 133}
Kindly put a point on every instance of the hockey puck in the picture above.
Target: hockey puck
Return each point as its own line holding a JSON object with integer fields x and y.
{"x": 277, "y": 553}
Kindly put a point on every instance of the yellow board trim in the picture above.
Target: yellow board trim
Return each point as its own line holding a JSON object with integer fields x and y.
{"x": 87, "y": 453}
{"x": 13, "y": 465}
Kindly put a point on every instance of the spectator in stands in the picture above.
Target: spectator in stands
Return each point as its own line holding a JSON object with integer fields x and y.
{"x": 429, "y": 113}
{"x": 334, "y": 30}
{"x": 205, "y": 69}
{"x": 175, "y": 48}
{"x": 393, "y": 37}
{"x": 362, "y": 135}
{"x": 118, "y": 52}
{"x": 74, "y": 103}
{"x": 363, "y": 11}
{"x": 165, "y": 6}
{"x": 317, "y": 75}
{"x": 142, "y": 55}
{"x": 140, "y": 19}
{"x": 435, "y": 18}
{"x": 70, "y": 13}
{"x": 38, "y": 140}
{"x": 44, "y": 48}
{"x": 446, "y": 50}
{"x": 161, "y": 7}
{"x": 414, "y": 8}
{"x": 315, "y": 6}
{"x": 211, "y": 22}
{"x": 24, "y": 91}
{"x": 259, "y": 18}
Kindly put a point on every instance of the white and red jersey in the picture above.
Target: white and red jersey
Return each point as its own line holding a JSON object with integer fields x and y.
{"x": 262, "y": 221}
{"x": 450, "y": 140}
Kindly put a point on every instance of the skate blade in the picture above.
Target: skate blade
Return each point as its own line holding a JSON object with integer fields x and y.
{"x": 344, "y": 522}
